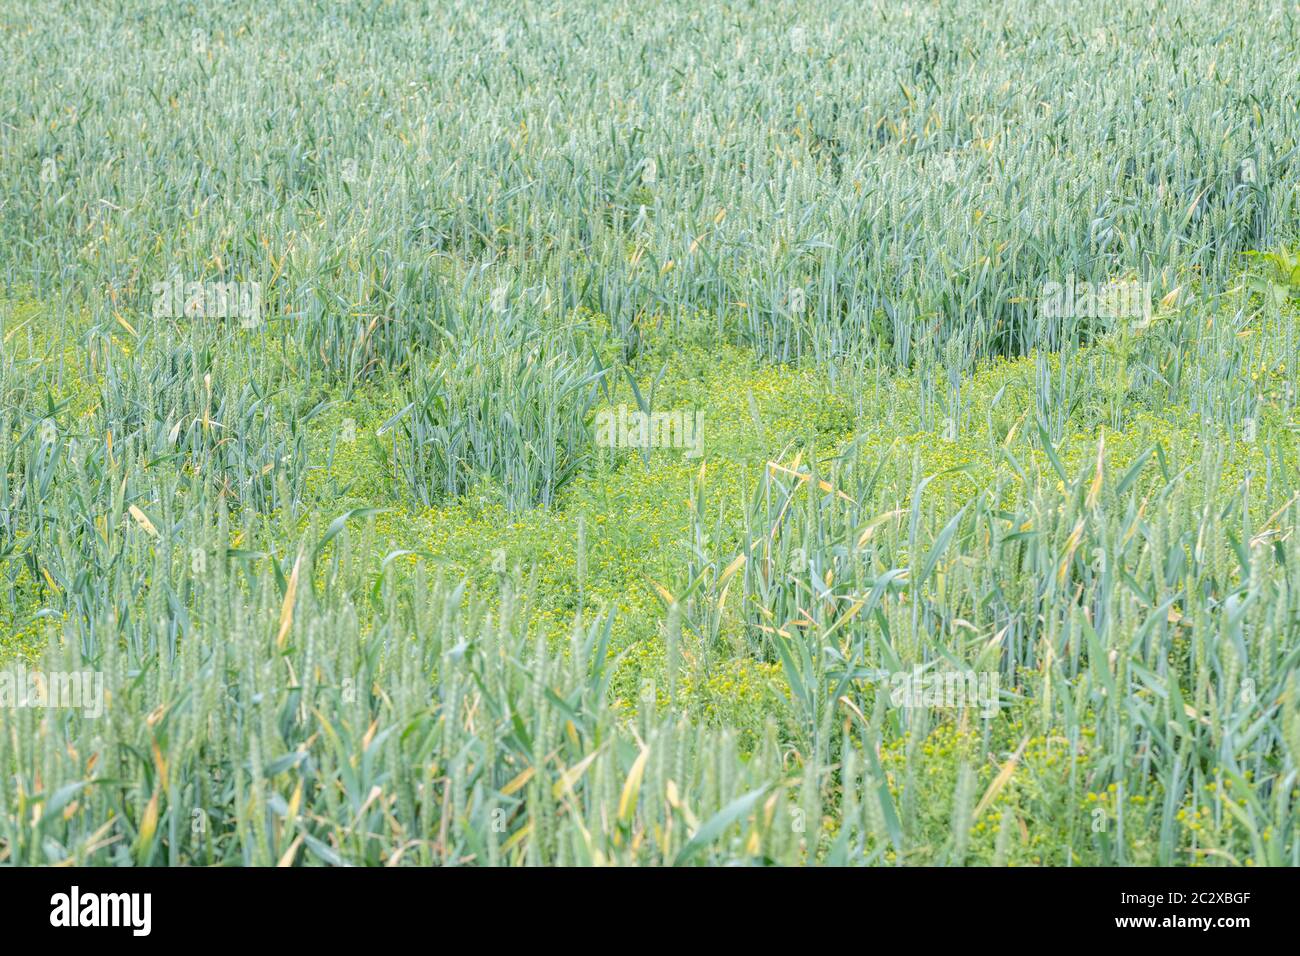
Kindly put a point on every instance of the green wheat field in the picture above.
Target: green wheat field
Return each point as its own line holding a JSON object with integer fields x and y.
{"x": 560, "y": 432}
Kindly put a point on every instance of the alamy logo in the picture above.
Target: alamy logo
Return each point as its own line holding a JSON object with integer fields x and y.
{"x": 21, "y": 687}
{"x": 175, "y": 299}
{"x": 946, "y": 689}
{"x": 102, "y": 909}
{"x": 1127, "y": 299}
{"x": 624, "y": 428}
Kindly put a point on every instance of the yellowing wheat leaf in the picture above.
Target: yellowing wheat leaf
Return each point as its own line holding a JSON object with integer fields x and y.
{"x": 286, "y": 609}
{"x": 1000, "y": 780}
{"x": 632, "y": 786}
{"x": 142, "y": 520}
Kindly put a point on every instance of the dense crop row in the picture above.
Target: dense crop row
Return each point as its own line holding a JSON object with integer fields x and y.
{"x": 983, "y": 319}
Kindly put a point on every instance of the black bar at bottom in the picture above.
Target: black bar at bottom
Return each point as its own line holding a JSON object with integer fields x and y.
{"x": 338, "y": 905}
